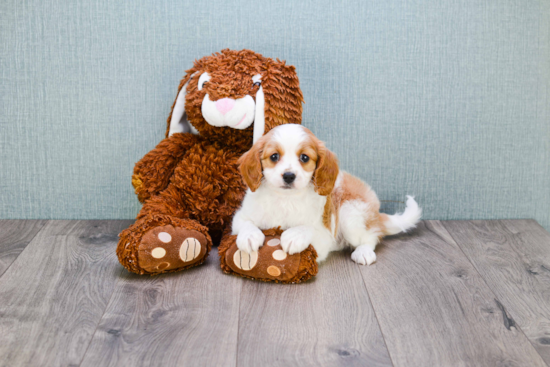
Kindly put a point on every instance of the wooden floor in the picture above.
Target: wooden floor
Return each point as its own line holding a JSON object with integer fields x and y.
{"x": 459, "y": 293}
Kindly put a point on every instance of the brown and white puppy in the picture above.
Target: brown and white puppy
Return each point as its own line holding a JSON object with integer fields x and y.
{"x": 294, "y": 182}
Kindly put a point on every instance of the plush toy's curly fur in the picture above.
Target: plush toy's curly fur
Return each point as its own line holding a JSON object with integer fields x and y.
{"x": 192, "y": 181}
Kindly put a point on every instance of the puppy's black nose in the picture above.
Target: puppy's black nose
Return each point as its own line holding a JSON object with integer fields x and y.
{"x": 289, "y": 177}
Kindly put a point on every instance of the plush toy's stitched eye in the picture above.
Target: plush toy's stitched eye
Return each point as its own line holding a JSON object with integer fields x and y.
{"x": 203, "y": 79}
{"x": 274, "y": 157}
{"x": 256, "y": 80}
{"x": 304, "y": 158}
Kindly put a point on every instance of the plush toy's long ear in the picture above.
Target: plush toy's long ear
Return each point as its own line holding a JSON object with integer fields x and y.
{"x": 177, "y": 121}
{"x": 259, "y": 118}
{"x": 283, "y": 96}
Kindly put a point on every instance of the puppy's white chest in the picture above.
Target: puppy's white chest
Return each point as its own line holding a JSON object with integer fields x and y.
{"x": 268, "y": 209}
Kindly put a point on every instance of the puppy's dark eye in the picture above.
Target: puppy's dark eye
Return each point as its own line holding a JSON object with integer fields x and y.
{"x": 304, "y": 158}
{"x": 257, "y": 84}
{"x": 203, "y": 84}
{"x": 274, "y": 157}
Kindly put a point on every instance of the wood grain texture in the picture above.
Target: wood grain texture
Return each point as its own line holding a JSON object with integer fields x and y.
{"x": 179, "y": 319}
{"x": 55, "y": 292}
{"x": 327, "y": 321}
{"x": 428, "y": 300}
{"x": 434, "y": 308}
{"x": 15, "y": 235}
{"x": 513, "y": 256}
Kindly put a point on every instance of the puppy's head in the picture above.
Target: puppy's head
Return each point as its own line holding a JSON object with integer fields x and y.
{"x": 290, "y": 157}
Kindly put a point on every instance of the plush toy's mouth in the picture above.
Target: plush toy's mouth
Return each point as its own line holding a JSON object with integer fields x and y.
{"x": 241, "y": 120}
{"x": 234, "y": 113}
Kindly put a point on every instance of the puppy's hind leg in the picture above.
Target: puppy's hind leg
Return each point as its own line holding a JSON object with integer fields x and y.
{"x": 353, "y": 226}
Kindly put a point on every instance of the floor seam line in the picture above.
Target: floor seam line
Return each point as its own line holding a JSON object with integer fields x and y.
{"x": 26, "y": 246}
{"x": 490, "y": 289}
{"x": 376, "y": 317}
{"x": 513, "y": 248}
{"x": 101, "y": 318}
{"x": 238, "y": 328}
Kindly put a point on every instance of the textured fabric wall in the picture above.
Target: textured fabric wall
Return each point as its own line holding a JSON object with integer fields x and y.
{"x": 447, "y": 100}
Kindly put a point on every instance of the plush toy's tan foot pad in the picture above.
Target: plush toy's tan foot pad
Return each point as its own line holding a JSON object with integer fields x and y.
{"x": 165, "y": 248}
{"x": 269, "y": 262}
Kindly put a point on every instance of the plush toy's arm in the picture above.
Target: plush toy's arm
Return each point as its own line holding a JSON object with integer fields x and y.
{"x": 152, "y": 173}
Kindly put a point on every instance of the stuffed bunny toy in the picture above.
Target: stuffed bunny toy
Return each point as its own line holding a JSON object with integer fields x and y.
{"x": 190, "y": 184}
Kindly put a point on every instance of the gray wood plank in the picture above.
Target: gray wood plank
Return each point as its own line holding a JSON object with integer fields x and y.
{"x": 55, "y": 292}
{"x": 327, "y": 321}
{"x": 15, "y": 235}
{"x": 434, "y": 308}
{"x": 188, "y": 318}
{"x": 513, "y": 256}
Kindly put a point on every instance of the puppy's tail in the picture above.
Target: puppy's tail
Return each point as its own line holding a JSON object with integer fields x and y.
{"x": 403, "y": 222}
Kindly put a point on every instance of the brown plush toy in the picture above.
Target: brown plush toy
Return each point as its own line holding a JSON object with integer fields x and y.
{"x": 190, "y": 185}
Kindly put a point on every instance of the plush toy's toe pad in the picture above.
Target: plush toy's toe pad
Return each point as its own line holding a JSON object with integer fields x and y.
{"x": 270, "y": 262}
{"x": 166, "y": 248}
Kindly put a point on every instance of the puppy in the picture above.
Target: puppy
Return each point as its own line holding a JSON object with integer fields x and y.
{"x": 294, "y": 182}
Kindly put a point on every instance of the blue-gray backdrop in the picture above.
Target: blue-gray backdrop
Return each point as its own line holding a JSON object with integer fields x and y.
{"x": 447, "y": 100}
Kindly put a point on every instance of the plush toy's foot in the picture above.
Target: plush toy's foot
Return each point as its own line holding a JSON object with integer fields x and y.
{"x": 161, "y": 244}
{"x": 167, "y": 248}
{"x": 270, "y": 263}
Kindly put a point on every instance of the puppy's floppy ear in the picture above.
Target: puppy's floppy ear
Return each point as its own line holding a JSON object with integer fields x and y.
{"x": 250, "y": 165}
{"x": 326, "y": 172}
{"x": 177, "y": 121}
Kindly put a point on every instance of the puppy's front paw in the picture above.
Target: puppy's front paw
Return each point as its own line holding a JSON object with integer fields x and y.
{"x": 363, "y": 255}
{"x": 295, "y": 239}
{"x": 250, "y": 240}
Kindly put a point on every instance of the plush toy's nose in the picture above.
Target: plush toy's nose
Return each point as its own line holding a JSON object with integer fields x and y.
{"x": 225, "y": 105}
